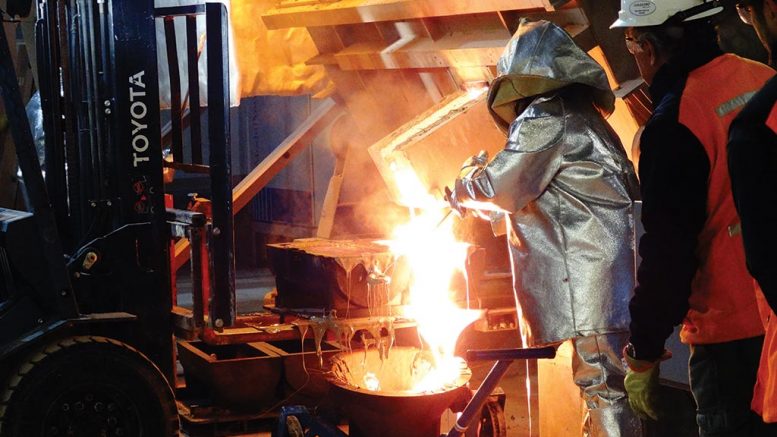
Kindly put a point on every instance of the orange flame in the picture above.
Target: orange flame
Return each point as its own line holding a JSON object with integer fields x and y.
{"x": 434, "y": 256}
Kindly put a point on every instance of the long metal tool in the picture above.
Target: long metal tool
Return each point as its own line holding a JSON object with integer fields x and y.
{"x": 504, "y": 358}
{"x": 442, "y": 220}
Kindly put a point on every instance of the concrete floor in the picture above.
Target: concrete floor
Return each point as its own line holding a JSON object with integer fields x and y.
{"x": 520, "y": 414}
{"x": 251, "y": 287}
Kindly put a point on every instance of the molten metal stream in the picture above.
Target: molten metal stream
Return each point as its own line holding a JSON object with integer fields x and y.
{"x": 434, "y": 256}
{"x": 523, "y": 329}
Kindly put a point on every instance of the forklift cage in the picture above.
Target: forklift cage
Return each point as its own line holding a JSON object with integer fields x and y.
{"x": 215, "y": 273}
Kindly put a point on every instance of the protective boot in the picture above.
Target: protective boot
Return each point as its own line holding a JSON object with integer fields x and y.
{"x": 599, "y": 372}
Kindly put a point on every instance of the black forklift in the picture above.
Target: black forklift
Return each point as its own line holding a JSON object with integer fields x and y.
{"x": 86, "y": 333}
{"x": 88, "y": 321}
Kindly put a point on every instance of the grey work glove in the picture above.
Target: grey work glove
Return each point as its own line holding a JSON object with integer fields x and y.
{"x": 463, "y": 187}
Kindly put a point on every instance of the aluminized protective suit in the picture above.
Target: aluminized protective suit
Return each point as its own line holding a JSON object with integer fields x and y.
{"x": 567, "y": 188}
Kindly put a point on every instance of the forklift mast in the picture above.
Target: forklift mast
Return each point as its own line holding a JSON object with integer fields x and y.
{"x": 92, "y": 255}
{"x": 100, "y": 100}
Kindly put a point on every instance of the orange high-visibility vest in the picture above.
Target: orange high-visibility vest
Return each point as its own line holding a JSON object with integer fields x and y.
{"x": 723, "y": 299}
{"x": 765, "y": 392}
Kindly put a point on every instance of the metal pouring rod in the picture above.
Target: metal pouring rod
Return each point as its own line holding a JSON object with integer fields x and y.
{"x": 505, "y": 357}
{"x": 481, "y": 396}
{"x": 442, "y": 220}
{"x": 511, "y": 354}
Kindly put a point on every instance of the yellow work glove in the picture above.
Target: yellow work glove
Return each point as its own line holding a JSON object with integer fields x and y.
{"x": 641, "y": 384}
{"x": 642, "y": 388}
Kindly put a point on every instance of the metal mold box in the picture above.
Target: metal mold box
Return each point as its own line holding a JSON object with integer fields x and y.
{"x": 342, "y": 275}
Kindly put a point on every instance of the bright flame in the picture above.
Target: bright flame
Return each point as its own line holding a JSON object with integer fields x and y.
{"x": 434, "y": 255}
{"x": 410, "y": 187}
{"x": 475, "y": 88}
{"x": 371, "y": 382}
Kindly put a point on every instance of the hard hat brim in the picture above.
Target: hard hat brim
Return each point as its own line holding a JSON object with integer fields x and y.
{"x": 621, "y": 23}
{"x": 647, "y": 22}
{"x": 705, "y": 14}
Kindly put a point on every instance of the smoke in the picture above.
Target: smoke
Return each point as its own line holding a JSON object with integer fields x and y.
{"x": 377, "y": 103}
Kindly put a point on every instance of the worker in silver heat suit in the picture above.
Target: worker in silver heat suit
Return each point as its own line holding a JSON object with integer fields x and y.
{"x": 563, "y": 189}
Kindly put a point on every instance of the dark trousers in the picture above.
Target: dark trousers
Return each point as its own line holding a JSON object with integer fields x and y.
{"x": 722, "y": 380}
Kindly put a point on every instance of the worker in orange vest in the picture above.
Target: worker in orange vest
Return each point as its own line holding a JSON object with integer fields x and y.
{"x": 752, "y": 160}
{"x": 693, "y": 263}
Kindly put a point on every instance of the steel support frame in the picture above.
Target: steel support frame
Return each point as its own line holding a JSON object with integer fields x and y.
{"x": 217, "y": 271}
{"x": 35, "y": 190}
{"x": 222, "y": 303}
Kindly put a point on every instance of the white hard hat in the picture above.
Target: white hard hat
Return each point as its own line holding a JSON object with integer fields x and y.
{"x": 640, "y": 13}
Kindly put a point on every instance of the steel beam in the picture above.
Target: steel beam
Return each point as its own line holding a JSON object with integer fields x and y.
{"x": 194, "y": 88}
{"x": 58, "y": 298}
{"x": 465, "y": 48}
{"x": 260, "y": 176}
{"x": 175, "y": 89}
{"x": 222, "y": 304}
{"x": 250, "y": 186}
{"x": 370, "y": 11}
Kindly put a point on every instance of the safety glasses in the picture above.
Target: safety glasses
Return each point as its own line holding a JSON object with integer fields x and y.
{"x": 633, "y": 45}
{"x": 745, "y": 12}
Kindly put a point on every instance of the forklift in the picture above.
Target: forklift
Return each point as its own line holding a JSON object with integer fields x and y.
{"x": 86, "y": 290}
